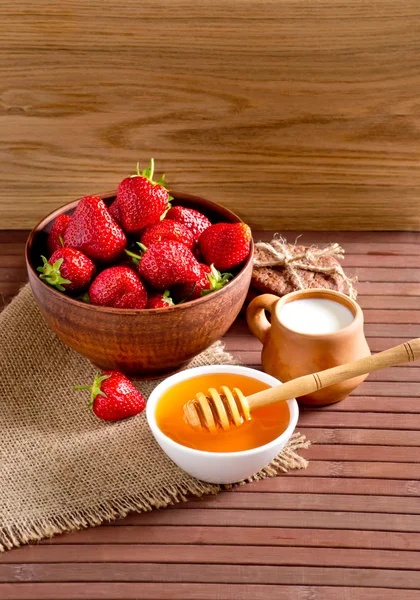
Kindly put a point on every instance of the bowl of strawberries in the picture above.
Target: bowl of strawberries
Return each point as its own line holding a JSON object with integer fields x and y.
{"x": 140, "y": 280}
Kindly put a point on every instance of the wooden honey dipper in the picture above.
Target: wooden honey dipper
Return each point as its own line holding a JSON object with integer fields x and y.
{"x": 222, "y": 410}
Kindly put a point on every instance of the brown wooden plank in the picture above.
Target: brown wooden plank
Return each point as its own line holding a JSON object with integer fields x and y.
{"x": 196, "y": 554}
{"x": 392, "y": 316}
{"x": 17, "y": 274}
{"x": 330, "y": 485}
{"x": 195, "y": 591}
{"x": 276, "y": 518}
{"x": 376, "y": 404}
{"x": 343, "y": 237}
{"x": 393, "y": 289}
{"x": 373, "y": 260}
{"x": 388, "y": 302}
{"x": 387, "y": 388}
{"x": 379, "y": 454}
{"x": 12, "y": 248}
{"x": 383, "y": 274}
{"x": 12, "y": 261}
{"x": 391, "y": 330}
{"x": 309, "y": 501}
{"x": 385, "y": 437}
{"x": 18, "y": 236}
{"x": 10, "y": 288}
{"x": 373, "y": 248}
{"x": 255, "y": 536}
{"x": 359, "y": 469}
{"x": 207, "y": 573}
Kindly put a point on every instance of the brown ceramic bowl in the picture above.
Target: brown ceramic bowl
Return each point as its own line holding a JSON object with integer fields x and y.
{"x": 140, "y": 343}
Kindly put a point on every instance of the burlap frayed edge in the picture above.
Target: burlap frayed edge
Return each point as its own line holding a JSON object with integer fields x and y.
{"x": 16, "y": 535}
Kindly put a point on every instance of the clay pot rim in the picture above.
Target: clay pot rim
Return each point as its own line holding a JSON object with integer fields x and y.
{"x": 339, "y": 297}
{"x": 233, "y": 217}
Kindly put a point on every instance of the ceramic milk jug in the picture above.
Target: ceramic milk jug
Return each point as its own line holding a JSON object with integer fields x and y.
{"x": 323, "y": 331}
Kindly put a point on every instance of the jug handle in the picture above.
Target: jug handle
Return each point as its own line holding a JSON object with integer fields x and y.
{"x": 255, "y": 315}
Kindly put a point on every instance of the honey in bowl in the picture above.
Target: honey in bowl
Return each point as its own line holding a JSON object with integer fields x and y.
{"x": 266, "y": 424}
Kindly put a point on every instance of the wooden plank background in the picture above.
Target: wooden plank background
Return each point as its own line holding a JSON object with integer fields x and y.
{"x": 296, "y": 113}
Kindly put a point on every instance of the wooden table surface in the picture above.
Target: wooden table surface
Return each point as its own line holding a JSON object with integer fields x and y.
{"x": 346, "y": 527}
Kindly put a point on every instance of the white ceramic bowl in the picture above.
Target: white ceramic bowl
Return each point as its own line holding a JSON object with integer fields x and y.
{"x": 218, "y": 467}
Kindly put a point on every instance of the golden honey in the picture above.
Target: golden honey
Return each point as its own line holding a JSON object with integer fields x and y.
{"x": 267, "y": 423}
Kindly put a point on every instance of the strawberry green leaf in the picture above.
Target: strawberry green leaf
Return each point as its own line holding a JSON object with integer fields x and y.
{"x": 217, "y": 280}
{"x": 148, "y": 172}
{"x": 51, "y": 274}
{"x": 161, "y": 180}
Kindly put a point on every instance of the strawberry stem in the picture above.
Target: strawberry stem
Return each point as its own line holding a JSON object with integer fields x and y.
{"x": 51, "y": 274}
{"x": 95, "y": 388}
{"x": 169, "y": 206}
{"x": 148, "y": 172}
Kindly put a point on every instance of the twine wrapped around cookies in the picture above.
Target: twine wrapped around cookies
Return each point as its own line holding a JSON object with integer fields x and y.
{"x": 279, "y": 254}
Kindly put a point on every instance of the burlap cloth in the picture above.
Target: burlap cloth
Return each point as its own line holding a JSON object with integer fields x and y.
{"x": 63, "y": 469}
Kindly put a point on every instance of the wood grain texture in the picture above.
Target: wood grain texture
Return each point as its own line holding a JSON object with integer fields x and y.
{"x": 346, "y": 527}
{"x": 295, "y": 114}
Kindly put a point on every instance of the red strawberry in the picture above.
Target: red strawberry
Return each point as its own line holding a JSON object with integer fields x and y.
{"x": 225, "y": 245}
{"x": 167, "y": 230}
{"x": 94, "y": 232}
{"x": 211, "y": 279}
{"x": 141, "y": 201}
{"x": 118, "y": 287}
{"x": 67, "y": 270}
{"x": 113, "y": 396}
{"x": 160, "y": 300}
{"x": 191, "y": 218}
{"x": 57, "y": 232}
{"x": 114, "y": 211}
{"x": 167, "y": 263}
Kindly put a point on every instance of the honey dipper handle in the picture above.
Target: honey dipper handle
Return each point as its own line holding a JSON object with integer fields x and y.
{"x": 308, "y": 384}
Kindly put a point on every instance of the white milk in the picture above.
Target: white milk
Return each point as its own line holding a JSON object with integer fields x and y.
{"x": 315, "y": 316}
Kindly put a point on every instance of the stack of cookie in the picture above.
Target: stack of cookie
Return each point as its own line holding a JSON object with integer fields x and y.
{"x": 281, "y": 268}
